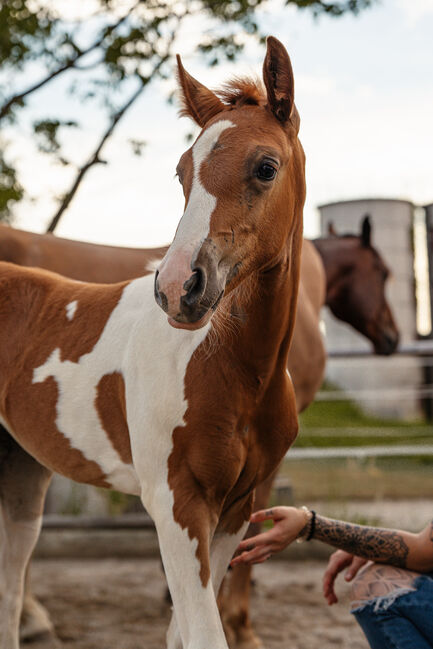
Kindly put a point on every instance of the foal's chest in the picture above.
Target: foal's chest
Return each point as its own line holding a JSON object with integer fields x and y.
{"x": 89, "y": 416}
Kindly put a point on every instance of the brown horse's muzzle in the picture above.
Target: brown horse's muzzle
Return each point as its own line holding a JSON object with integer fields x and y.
{"x": 383, "y": 333}
{"x": 189, "y": 288}
{"x": 385, "y": 342}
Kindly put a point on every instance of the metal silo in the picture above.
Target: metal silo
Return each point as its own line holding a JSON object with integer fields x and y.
{"x": 392, "y": 235}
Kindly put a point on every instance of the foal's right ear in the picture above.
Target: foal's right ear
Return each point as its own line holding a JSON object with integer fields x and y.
{"x": 198, "y": 102}
{"x": 279, "y": 82}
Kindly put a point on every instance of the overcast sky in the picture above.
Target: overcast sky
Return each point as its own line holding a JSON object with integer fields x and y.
{"x": 364, "y": 92}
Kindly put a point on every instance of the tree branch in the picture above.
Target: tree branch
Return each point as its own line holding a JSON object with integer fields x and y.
{"x": 15, "y": 99}
{"x": 95, "y": 157}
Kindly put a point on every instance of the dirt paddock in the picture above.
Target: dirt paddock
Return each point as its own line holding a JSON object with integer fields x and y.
{"x": 119, "y": 604}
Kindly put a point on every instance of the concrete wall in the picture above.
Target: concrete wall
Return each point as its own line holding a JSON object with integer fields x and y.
{"x": 392, "y": 222}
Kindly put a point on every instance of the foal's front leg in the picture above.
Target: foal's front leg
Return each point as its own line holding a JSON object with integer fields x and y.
{"x": 187, "y": 565}
{"x": 223, "y": 546}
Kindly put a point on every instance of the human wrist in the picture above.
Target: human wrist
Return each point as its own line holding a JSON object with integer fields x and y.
{"x": 306, "y": 523}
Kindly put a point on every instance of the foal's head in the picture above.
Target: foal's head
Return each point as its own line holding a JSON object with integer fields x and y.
{"x": 244, "y": 187}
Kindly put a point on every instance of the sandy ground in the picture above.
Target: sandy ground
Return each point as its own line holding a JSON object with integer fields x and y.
{"x": 119, "y": 604}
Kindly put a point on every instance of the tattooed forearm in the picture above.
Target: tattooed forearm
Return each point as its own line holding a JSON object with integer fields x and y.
{"x": 383, "y": 546}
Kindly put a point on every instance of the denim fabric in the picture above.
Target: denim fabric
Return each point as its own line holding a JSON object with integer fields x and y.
{"x": 402, "y": 622}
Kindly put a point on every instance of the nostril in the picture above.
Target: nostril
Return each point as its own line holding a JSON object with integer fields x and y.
{"x": 194, "y": 287}
{"x": 156, "y": 287}
{"x": 192, "y": 282}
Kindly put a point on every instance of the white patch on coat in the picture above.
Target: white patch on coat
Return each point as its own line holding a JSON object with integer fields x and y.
{"x": 138, "y": 342}
{"x": 71, "y": 308}
{"x": 194, "y": 225}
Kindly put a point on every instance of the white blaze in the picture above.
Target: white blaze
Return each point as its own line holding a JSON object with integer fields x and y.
{"x": 194, "y": 225}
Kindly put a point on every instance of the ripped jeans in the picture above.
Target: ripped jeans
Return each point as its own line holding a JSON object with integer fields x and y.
{"x": 400, "y": 620}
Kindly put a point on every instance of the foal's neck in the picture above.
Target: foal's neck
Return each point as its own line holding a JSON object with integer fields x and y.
{"x": 261, "y": 312}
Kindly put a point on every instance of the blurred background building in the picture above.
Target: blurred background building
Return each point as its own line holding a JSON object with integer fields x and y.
{"x": 393, "y": 234}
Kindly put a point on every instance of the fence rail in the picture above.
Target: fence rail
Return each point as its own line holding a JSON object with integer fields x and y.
{"x": 360, "y": 452}
{"x": 415, "y": 348}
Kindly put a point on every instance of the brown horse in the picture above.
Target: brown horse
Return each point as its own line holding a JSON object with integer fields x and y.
{"x": 189, "y": 405}
{"x": 307, "y": 354}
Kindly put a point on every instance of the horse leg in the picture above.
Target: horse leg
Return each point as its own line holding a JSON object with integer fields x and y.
{"x": 234, "y": 597}
{"x": 188, "y": 565}
{"x": 35, "y": 619}
{"x": 23, "y": 485}
{"x": 222, "y": 548}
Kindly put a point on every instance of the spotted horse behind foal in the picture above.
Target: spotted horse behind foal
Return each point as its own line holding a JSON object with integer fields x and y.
{"x": 172, "y": 387}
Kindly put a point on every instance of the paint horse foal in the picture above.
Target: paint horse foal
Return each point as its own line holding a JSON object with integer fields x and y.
{"x": 96, "y": 384}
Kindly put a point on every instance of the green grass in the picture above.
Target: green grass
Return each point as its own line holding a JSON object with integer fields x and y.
{"x": 343, "y": 423}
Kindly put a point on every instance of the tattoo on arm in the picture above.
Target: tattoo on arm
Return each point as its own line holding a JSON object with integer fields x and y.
{"x": 383, "y": 546}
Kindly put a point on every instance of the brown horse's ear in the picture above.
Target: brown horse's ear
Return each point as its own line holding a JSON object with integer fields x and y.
{"x": 198, "y": 102}
{"x": 366, "y": 231}
{"x": 280, "y": 86}
{"x": 332, "y": 232}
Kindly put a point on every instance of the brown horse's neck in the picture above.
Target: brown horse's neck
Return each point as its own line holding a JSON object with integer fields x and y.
{"x": 337, "y": 257}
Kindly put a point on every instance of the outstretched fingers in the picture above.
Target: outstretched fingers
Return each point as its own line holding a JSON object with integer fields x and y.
{"x": 256, "y": 554}
{"x": 274, "y": 514}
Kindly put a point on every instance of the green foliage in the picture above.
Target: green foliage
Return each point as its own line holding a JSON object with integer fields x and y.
{"x": 47, "y": 131}
{"x": 137, "y": 146}
{"x": 333, "y": 8}
{"x": 24, "y": 28}
{"x": 105, "y": 50}
{"x": 10, "y": 189}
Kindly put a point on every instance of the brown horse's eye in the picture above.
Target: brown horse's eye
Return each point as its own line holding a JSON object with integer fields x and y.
{"x": 266, "y": 171}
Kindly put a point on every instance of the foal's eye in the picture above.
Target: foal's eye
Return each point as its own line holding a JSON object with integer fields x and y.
{"x": 266, "y": 171}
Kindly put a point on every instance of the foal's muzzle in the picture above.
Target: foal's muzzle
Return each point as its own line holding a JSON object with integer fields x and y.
{"x": 189, "y": 297}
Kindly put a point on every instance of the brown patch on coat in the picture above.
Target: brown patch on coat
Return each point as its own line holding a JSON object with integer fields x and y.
{"x": 80, "y": 335}
{"x": 33, "y": 320}
{"x": 237, "y": 429}
{"x": 32, "y": 416}
{"x": 111, "y": 407}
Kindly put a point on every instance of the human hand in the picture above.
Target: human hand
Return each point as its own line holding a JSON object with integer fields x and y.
{"x": 338, "y": 561}
{"x": 288, "y": 523}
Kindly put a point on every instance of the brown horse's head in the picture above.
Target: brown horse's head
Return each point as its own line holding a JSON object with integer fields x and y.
{"x": 356, "y": 278}
{"x": 243, "y": 181}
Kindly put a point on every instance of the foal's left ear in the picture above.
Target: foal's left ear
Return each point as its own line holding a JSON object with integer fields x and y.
{"x": 199, "y": 102}
{"x": 366, "y": 231}
{"x": 279, "y": 82}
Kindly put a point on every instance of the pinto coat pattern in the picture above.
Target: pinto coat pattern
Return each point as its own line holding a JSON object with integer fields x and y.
{"x": 190, "y": 408}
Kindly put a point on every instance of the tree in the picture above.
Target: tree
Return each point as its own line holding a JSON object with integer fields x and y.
{"x": 113, "y": 50}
